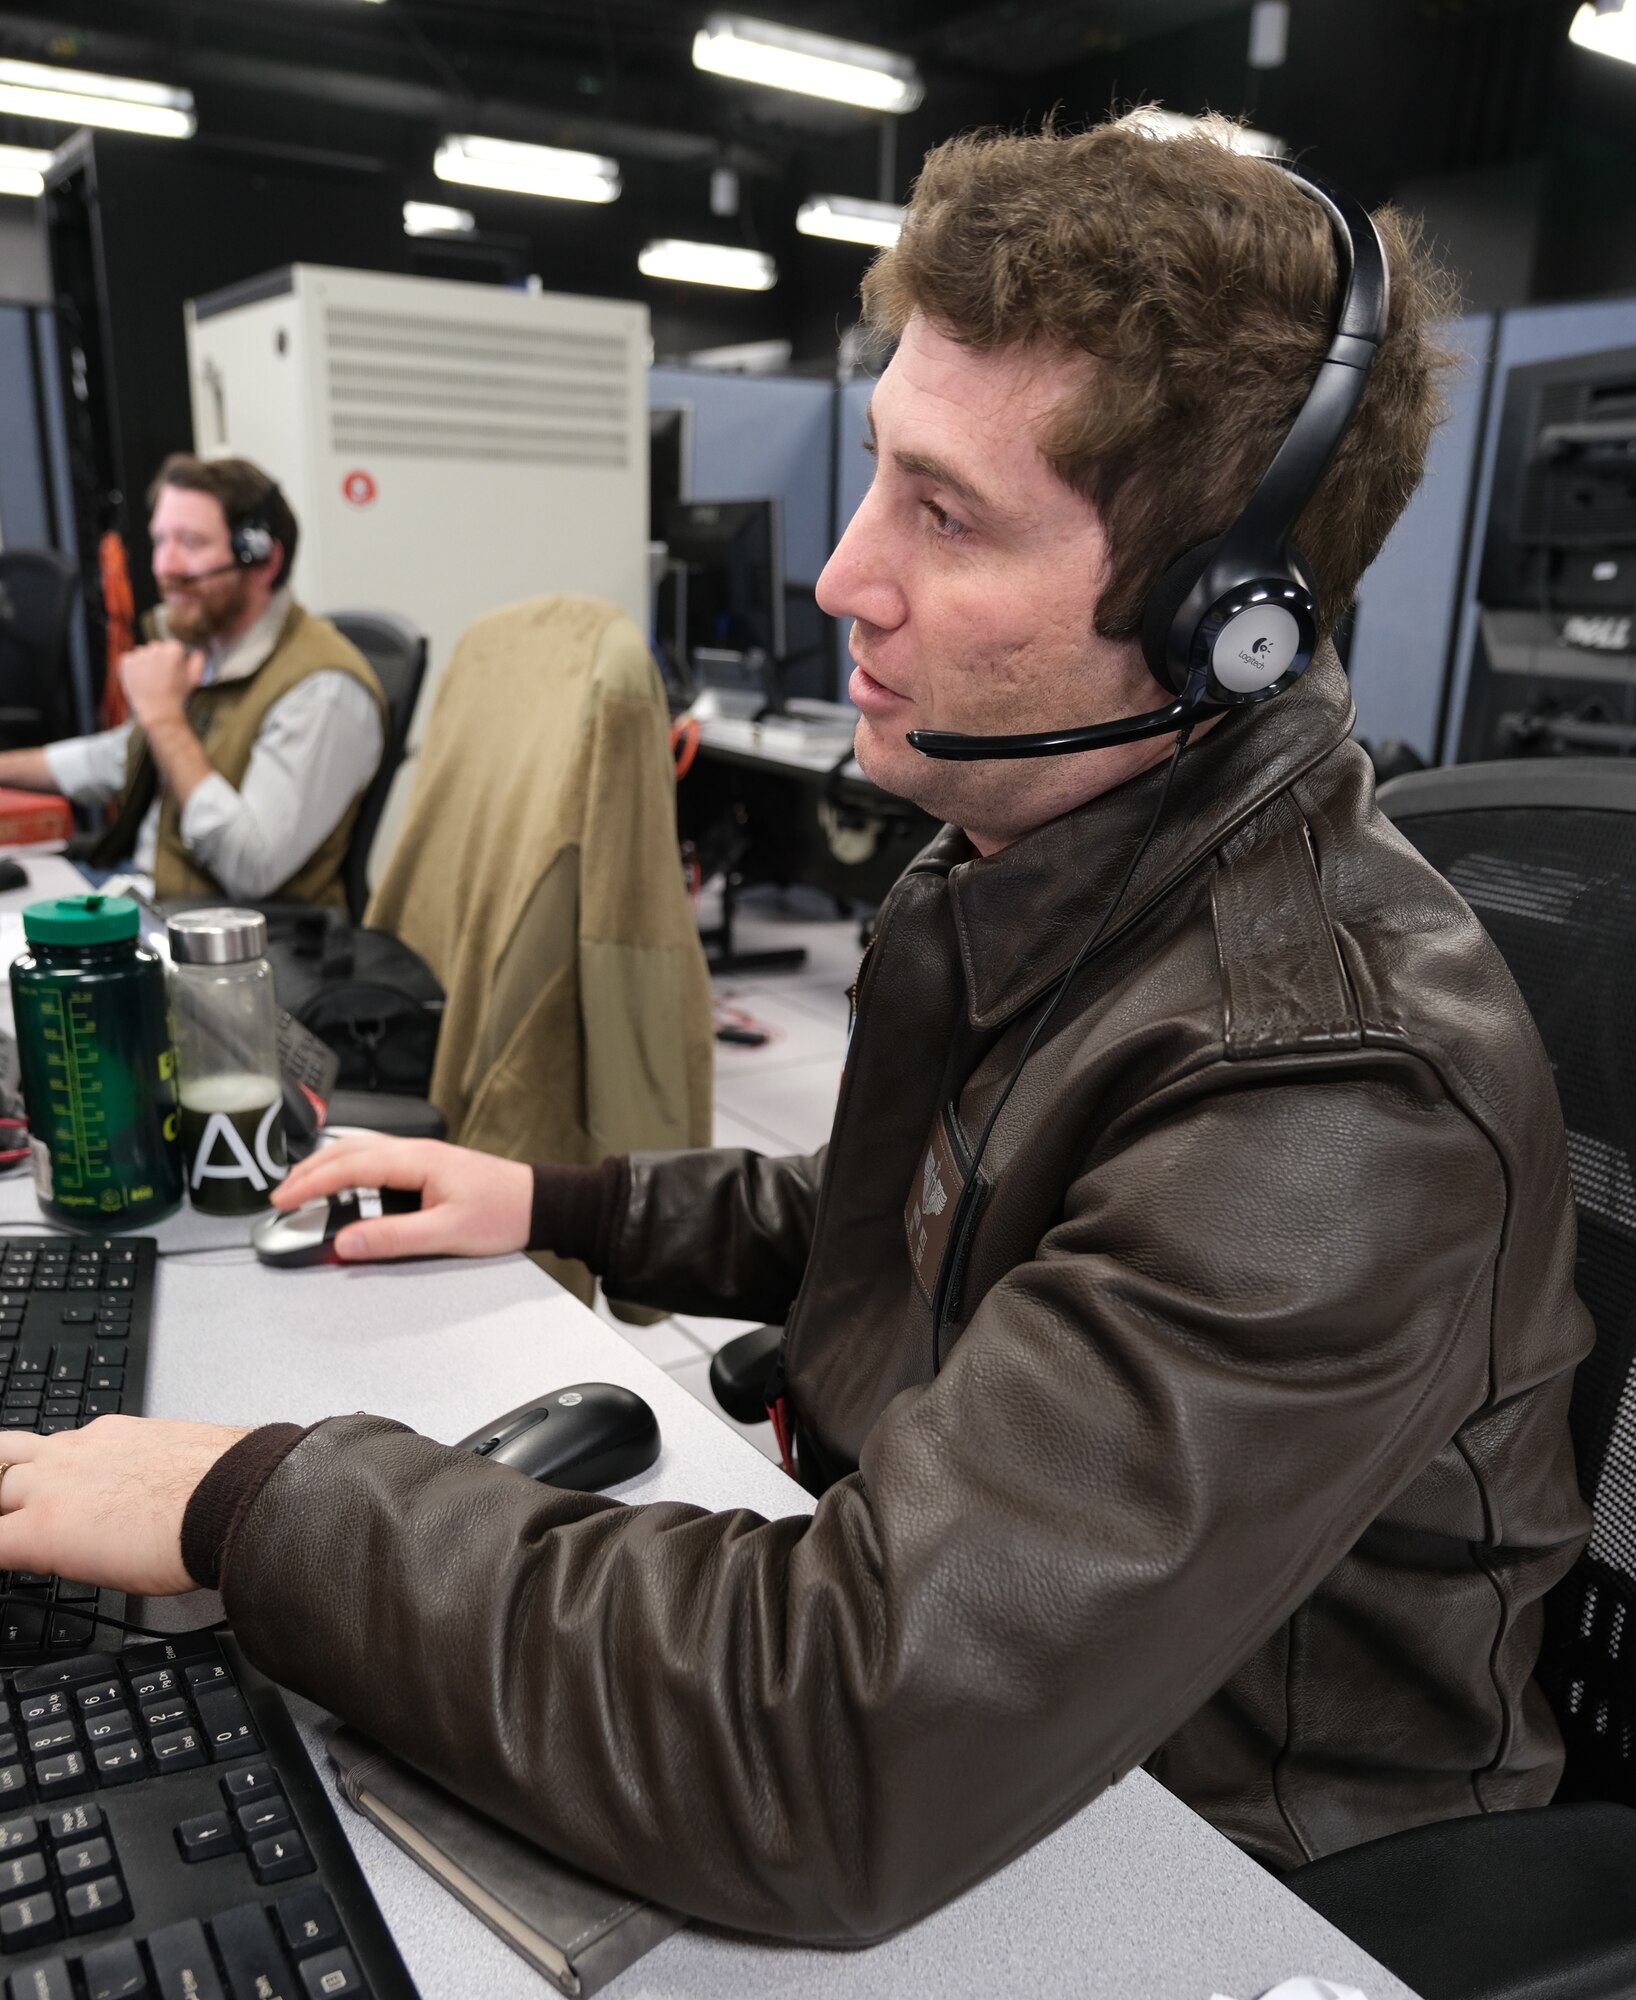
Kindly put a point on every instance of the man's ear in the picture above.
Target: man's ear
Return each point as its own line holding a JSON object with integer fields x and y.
{"x": 275, "y": 565}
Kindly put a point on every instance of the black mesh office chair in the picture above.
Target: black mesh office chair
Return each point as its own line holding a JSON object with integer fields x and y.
{"x": 397, "y": 652}
{"x": 1542, "y": 1905}
{"x": 36, "y": 602}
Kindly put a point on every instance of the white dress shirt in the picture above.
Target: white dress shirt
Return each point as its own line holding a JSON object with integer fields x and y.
{"x": 318, "y": 748}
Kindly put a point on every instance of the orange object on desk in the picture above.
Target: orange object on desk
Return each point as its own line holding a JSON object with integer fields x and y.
{"x": 30, "y": 816}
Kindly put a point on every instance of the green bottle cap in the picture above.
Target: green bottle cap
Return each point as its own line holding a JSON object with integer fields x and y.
{"x": 81, "y": 920}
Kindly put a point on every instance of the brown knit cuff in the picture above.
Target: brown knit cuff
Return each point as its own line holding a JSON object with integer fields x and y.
{"x": 222, "y": 1497}
{"x": 577, "y": 1210}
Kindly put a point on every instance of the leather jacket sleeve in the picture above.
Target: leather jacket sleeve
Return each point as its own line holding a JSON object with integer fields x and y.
{"x": 724, "y": 1233}
{"x": 1149, "y": 1444}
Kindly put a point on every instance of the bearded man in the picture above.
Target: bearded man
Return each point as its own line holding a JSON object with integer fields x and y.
{"x": 255, "y": 727}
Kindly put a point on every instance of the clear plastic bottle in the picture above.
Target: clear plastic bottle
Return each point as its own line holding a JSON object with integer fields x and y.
{"x": 224, "y": 1017}
{"x": 97, "y": 1070}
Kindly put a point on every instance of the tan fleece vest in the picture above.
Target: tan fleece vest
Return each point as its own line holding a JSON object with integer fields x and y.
{"x": 227, "y": 718}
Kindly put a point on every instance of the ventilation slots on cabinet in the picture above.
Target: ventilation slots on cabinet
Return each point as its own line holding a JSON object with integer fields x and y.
{"x": 448, "y": 448}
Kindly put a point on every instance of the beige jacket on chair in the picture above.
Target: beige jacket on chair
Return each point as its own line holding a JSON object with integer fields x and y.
{"x": 537, "y": 874}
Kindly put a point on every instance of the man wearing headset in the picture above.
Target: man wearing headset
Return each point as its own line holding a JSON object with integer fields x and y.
{"x": 255, "y": 727}
{"x": 1179, "y": 1329}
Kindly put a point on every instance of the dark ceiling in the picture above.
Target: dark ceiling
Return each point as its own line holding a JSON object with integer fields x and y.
{"x": 1384, "y": 95}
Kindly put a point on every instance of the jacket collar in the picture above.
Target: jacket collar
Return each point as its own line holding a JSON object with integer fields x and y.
{"x": 1023, "y": 913}
{"x": 254, "y": 647}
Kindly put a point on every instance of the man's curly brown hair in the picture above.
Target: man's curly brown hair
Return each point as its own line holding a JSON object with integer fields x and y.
{"x": 1203, "y": 284}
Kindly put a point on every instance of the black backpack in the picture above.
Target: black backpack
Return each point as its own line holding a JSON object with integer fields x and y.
{"x": 363, "y": 993}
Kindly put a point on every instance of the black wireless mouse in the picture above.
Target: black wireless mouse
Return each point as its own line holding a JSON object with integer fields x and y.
{"x": 13, "y": 875}
{"x": 306, "y": 1235}
{"x": 587, "y": 1437}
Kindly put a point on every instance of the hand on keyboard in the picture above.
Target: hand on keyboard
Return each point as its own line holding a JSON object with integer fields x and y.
{"x": 104, "y": 1504}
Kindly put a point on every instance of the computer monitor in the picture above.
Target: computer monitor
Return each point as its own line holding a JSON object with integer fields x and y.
{"x": 670, "y": 462}
{"x": 727, "y": 560}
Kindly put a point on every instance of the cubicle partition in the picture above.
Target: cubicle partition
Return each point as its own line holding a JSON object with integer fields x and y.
{"x": 755, "y": 437}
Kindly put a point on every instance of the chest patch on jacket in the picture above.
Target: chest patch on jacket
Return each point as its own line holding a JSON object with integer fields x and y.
{"x": 934, "y": 1199}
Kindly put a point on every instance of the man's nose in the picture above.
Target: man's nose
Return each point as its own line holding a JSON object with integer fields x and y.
{"x": 859, "y": 580}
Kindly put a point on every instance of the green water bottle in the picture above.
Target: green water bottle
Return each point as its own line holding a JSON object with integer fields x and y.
{"x": 99, "y": 1074}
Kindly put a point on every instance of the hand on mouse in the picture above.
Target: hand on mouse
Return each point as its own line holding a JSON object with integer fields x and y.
{"x": 471, "y": 1204}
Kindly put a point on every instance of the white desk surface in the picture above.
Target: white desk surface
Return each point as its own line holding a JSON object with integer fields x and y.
{"x": 1136, "y": 1896}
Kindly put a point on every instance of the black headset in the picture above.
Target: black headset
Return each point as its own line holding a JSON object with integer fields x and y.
{"x": 1235, "y": 620}
{"x": 251, "y": 536}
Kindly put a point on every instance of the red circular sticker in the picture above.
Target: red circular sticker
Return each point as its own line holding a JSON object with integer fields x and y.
{"x": 359, "y": 488}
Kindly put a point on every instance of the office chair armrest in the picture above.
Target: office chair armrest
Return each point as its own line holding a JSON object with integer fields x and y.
{"x": 1531, "y": 1905}
{"x": 739, "y": 1373}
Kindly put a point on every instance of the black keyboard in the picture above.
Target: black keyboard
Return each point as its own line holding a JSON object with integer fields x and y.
{"x": 163, "y": 1836}
{"x": 74, "y": 1317}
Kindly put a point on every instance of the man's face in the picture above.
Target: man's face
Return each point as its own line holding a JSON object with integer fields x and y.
{"x": 972, "y": 574}
{"x": 190, "y": 537}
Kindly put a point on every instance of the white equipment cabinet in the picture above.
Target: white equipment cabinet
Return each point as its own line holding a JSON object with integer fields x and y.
{"x": 448, "y": 448}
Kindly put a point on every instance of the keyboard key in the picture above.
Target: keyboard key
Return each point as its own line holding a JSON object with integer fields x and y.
{"x": 268, "y": 1815}
{"x": 71, "y": 1624}
{"x": 99, "y": 1694}
{"x": 177, "y": 1750}
{"x": 109, "y": 1725}
{"x": 226, "y": 1723}
{"x": 169, "y": 1713}
{"x": 68, "y": 1590}
{"x": 65, "y": 1674}
{"x": 8, "y": 1747}
{"x": 71, "y": 1823}
{"x": 150, "y": 1683}
{"x": 249, "y": 1951}
{"x": 102, "y": 1406}
{"x": 333, "y": 1975}
{"x": 118, "y": 1763}
{"x": 51, "y": 1427}
{"x": 247, "y": 1782}
{"x": 22, "y": 1624}
{"x": 280, "y": 1856}
{"x": 90, "y": 1857}
{"x": 78, "y": 1315}
{"x": 105, "y": 1379}
{"x": 206, "y": 1836}
{"x": 114, "y": 1972}
{"x": 61, "y": 1406}
{"x": 16, "y": 1834}
{"x": 21, "y": 1871}
{"x": 48, "y": 1980}
{"x": 182, "y": 1965}
{"x": 29, "y": 1922}
{"x": 206, "y": 1674}
{"x": 56, "y": 1776}
{"x": 50, "y": 1736}
{"x": 307, "y": 1921}
{"x": 13, "y": 1781}
{"x": 52, "y": 1707}
{"x": 94, "y": 1905}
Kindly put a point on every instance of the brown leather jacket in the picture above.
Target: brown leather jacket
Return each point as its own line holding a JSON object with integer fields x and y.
{"x": 1248, "y": 1460}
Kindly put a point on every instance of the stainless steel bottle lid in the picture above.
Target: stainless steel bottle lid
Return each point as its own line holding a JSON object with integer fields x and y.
{"x": 217, "y": 937}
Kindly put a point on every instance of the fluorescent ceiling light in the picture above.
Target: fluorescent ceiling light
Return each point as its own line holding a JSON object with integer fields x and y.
{"x": 708, "y": 264}
{"x": 78, "y": 97}
{"x": 816, "y": 65}
{"x": 22, "y": 170}
{"x": 850, "y": 221}
{"x": 473, "y": 161}
{"x": 1609, "y": 30}
{"x": 1159, "y": 124}
{"x": 431, "y": 218}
